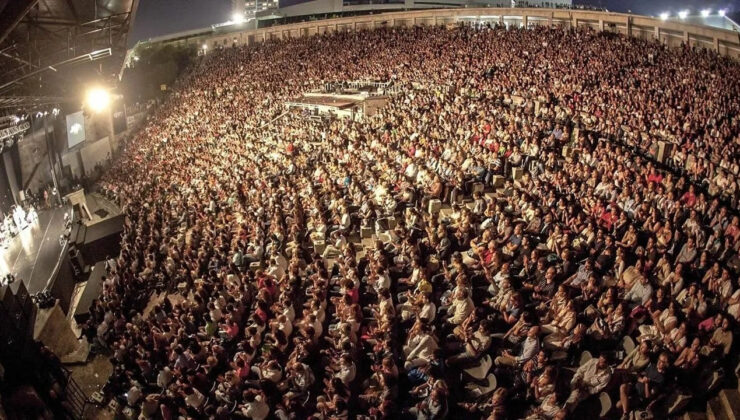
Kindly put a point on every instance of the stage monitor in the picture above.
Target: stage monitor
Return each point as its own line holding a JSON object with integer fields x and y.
{"x": 75, "y": 129}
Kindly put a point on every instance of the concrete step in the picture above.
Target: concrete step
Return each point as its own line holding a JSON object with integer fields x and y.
{"x": 730, "y": 399}
{"x": 715, "y": 411}
{"x": 446, "y": 212}
{"x": 694, "y": 416}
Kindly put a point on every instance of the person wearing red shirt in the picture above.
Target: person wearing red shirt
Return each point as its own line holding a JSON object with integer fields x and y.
{"x": 655, "y": 177}
{"x": 607, "y": 219}
{"x": 689, "y": 197}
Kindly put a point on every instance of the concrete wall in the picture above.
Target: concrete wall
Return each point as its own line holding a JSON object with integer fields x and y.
{"x": 35, "y": 167}
{"x": 672, "y": 33}
{"x": 97, "y": 153}
{"x": 72, "y": 159}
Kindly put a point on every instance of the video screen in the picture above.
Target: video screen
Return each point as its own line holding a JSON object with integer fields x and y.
{"x": 75, "y": 129}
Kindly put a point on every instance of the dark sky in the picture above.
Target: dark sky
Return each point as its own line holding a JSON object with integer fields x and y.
{"x": 654, "y": 7}
{"x": 161, "y": 17}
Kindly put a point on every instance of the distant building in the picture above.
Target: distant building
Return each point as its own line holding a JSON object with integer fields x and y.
{"x": 248, "y": 8}
{"x": 295, "y": 9}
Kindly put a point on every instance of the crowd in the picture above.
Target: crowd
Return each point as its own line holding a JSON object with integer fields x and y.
{"x": 495, "y": 242}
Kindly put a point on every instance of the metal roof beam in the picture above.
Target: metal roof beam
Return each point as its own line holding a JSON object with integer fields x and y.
{"x": 13, "y": 14}
{"x": 72, "y": 9}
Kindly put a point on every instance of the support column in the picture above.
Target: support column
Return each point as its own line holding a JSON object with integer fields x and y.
{"x": 525, "y": 21}
{"x": 657, "y": 33}
{"x": 549, "y": 20}
{"x": 601, "y": 25}
{"x": 629, "y": 25}
{"x": 686, "y": 37}
{"x": 501, "y": 20}
{"x": 716, "y": 44}
{"x": 10, "y": 173}
{"x": 50, "y": 151}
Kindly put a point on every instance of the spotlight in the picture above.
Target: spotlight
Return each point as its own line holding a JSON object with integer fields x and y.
{"x": 55, "y": 112}
{"x": 97, "y": 99}
{"x": 136, "y": 58}
{"x": 723, "y": 12}
{"x": 664, "y": 16}
{"x": 706, "y": 12}
{"x": 238, "y": 18}
{"x": 683, "y": 14}
{"x": 205, "y": 46}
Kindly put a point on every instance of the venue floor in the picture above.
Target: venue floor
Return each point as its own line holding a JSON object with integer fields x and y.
{"x": 32, "y": 255}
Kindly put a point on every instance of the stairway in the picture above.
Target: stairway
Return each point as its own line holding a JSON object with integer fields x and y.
{"x": 725, "y": 406}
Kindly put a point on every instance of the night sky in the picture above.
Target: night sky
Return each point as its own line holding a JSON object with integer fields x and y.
{"x": 161, "y": 17}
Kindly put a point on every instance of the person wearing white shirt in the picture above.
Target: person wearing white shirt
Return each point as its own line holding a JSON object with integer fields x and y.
{"x": 460, "y": 307}
{"x": 165, "y": 377}
{"x": 590, "y": 379}
{"x": 424, "y": 345}
{"x": 255, "y": 407}
{"x": 193, "y": 398}
{"x": 346, "y": 370}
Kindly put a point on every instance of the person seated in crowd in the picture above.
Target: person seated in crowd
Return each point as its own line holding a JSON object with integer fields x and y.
{"x": 455, "y": 253}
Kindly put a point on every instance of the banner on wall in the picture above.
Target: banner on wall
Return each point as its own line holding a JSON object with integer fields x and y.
{"x": 119, "y": 118}
{"x": 75, "y": 129}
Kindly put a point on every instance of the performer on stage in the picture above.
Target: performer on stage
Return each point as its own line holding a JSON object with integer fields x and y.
{"x": 32, "y": 216}
{"x": 19, "y": 217}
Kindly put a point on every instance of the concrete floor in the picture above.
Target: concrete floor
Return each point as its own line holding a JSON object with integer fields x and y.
{"x": 33, "y": 253}
{"x": 91, "y": 377}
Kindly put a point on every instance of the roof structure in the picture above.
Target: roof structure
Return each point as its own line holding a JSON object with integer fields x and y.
{"x": 717, "y": 21}
{"x": 50, "y": 48}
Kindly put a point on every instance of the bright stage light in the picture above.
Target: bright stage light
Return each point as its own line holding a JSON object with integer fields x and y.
{"x": 723, "y": 12}
{"x": 205, "y": 46}
{"x": 706, "y": 12}
{"x": 97, "y": 99}
{"x": 683, "y": 14}
{"x": 238, "y": 18}
{"x": 664, "y": 16}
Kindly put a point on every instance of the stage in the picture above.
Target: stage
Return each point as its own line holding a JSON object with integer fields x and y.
{"x": 33, "y": 254}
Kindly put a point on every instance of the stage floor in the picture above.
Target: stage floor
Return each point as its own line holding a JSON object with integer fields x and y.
{"x": 33, "y": 254}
